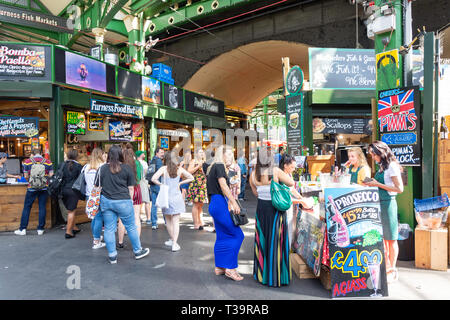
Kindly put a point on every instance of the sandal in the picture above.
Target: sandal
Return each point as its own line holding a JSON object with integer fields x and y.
{"x": 219, "y": 271}
{"x": 234, "y": 275}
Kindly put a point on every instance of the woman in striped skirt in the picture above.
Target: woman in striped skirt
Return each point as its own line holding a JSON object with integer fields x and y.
{"x": 271, "y": 260}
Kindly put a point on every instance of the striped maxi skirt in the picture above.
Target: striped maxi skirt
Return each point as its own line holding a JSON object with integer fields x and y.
{"x": 272, "y": 266}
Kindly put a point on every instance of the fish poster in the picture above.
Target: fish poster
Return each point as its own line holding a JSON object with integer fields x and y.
{"x": 355, "y": 238}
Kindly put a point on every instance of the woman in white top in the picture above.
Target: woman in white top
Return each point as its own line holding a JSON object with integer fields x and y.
{"x": 90, "y": 171}
{"x": 172, "y": 174}
{"x": 271, "y": 260}
{"x": 389, "y": 182}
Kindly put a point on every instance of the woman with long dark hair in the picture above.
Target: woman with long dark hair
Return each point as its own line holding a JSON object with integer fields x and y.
{"x": 389, "y": 182}
{"x": 117, "y": 181}
{"x": 272, "y": 266}
{"x": 172, "y": 173}
{"x": 228, "y": 236}
{"x": 71, "y": 171}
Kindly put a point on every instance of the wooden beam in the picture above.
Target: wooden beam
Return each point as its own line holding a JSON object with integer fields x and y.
{"x": 44, "y": 111}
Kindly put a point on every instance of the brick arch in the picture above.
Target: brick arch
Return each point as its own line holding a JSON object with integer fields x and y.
{"x": 243, "y": 76}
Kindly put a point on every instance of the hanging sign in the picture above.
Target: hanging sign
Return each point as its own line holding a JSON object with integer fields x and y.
{"x": 19, "y": 127}
{"x": 399, "y": 123}
{"x": 309, "y": 240}
{"x": 117, "y": 109}
{"x": 388, "y": 74}
{"x": 355, "y": 237}
{"x": 76, "y": 122}
{"x": 342, "y": 126}
{"x": 294, "y": 80}
{"x": 120, "y": 130}
{"x": 96, "y": 123}
{"x": 294, "y": 122}
{"x": 332, "y": 68}
{"x": 204, "y": 105}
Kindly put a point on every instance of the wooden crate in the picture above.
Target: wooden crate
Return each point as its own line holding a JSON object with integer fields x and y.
{"x": 431, "y": 249}
{"x": 444, "y": 174}
{"x": 444, "y": 150}
{"x": 325, "y": 277}
{"x": 300, "y": 268}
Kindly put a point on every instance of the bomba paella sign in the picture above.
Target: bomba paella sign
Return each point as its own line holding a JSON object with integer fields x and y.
{"x": 22, "y": 60}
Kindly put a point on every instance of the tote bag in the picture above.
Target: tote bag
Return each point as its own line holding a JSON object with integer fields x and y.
{"x": 79, "y": 186}
{"x": 281, "y": 196}
{"x": 93, "y": 202}
{"x": 162, "y": 200}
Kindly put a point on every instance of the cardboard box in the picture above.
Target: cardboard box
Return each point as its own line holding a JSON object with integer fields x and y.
{"x": 444, "y": 174}
{"x": 431, "y": 248}
{"x": 444, "y": 150}
{"x": 325, "y": 277}
{"x": 300, "y": 268}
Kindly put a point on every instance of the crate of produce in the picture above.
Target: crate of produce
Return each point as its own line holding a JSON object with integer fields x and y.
{"x": 431, "y": 213}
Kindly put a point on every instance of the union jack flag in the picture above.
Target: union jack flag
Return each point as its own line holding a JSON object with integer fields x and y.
{"x": 405, "y": 100}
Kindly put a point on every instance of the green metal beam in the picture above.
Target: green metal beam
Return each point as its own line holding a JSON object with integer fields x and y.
{"x": 111, "y": 13}
{"x": 41, "y": 32}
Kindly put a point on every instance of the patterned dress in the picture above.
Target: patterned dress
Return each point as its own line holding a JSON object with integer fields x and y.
{"x": 197, "y": 189}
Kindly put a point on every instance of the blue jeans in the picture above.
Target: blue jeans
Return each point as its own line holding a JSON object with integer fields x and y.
{"x": 30, "y": 196}
{"x": 243, "y": 183}
{"x": 154, "y": 212}
{"x": 112, "y": 210}
{"x": 96, "y": 225}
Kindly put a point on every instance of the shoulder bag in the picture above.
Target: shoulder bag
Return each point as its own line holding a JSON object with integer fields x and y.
{"x": 241, "y": 218}
{"x": 79, "y": 186}
{"x": 55, "y": 182}
{"x": 162, "y": 200}
{"x": 93, "y": 202}
{"x": 281, "y": 196}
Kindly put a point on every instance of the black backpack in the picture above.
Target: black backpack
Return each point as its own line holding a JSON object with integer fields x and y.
{"x": 55, "y": 182}
{"x": 151, "y": 171}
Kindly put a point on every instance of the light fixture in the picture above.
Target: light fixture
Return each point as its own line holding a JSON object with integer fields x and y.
{"x": 340, "y": 137}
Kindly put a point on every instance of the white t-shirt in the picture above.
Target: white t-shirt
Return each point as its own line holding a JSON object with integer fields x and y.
{"x": 89, "y": 177}
{"x": 393, "y": 171}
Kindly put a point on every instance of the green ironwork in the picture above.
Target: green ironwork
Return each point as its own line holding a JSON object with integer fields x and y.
{"x": 43, "y": 9}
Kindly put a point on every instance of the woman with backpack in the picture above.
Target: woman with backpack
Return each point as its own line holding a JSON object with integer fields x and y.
{"x": 71, "y": 171}
{"x": 90, "y": 171}
{"x": 171, "y": 174}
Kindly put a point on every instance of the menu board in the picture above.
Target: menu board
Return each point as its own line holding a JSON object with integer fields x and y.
{"x": 19, "y": 127}
{"x": 310, "y": 234}
{"x": 399, "y": 123}
{"x": 75, "y": 122}
{"x": 22, "y": 62}
{"x": 355, "y": 238}
{"x": 116, "y": 109}
{"x": 120, "y": 130}
{"x": 331, "y": 68}
{"x": 294, "y": 120}
{"x": 342, "y": 126}
{"x": 96, "y": 123}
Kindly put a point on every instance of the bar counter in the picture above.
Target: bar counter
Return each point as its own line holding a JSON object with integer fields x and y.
{"x": 12, "y": 197}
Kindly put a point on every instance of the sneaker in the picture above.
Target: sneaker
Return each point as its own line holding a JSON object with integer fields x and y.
{"x": 21, "y": 232}
{"x": 112, "y": 260}
{"x": 142, "y": 253}
{"x": 40, "y": 232}
{"x": 119, "y": 246}
{"x": 176, "y": 247}
{"x": 98, "y": 245}
{"x": 148, "y": 222}
{"x": 169, "y": 243}
{"x": 154, "y": 227}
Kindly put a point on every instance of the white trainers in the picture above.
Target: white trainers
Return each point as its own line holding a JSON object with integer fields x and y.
{"x": 98, "y": 245}
{"x": 40, "y": 232}
{"x": 175, "y": 247}
{"x": 21, "y": 232}
{"x": 169, "y": 243}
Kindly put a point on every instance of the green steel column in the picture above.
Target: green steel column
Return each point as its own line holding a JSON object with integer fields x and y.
{"x": 56, "y": 128}
{"x": 266, "y": 121}
{"x": 427, "y": 115}
{"x": 133, "y": 36}
{"x": 307, "y": 122}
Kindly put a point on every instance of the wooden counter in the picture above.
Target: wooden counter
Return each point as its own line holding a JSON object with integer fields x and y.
{"x": 12, "y": 197}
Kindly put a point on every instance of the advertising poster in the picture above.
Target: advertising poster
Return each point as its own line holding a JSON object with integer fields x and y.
{"x": 173, "y": 96}
{"x": 96, "y": 123}
{"x": 85, "y": 72}
{"x": 388, "y": 74}
{"x": 310, "y": 234}
{"x": 18, "y": 60}
{"x": 120, "y": 130}
{"x": 355, "y": 238}
{"x": 19, "y": 127}
{"x": 164, "y": 142}
{"x": 294, "y": 121}
{"x": 399, "y": 123}
{"x": 138, "y": 131}
{"x": 76, "y": 122}
{"x": 151, "y": 90}
{"x": 336, "y": 68}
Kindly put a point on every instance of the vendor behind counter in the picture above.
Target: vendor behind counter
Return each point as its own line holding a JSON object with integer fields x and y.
{"x": 4, "y": 175}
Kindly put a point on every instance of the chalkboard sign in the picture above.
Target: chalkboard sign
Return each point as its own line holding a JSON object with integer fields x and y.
{"x": 294, "y": 123}
{"x": 331, "y": 68}
{"x": 355, "y": 238}
{"x": 204, "y": 105}
{"x": 399, "y": 123}
{"x": 96, "y": 123}
{"x": 342, "y": 126}
{"x": 309, "y": 238}
{"x": 294, "y": 80}
{"x": 19, "y": 127}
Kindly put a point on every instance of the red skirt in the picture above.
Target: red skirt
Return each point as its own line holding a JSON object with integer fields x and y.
{"x": 137, "y": 195}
